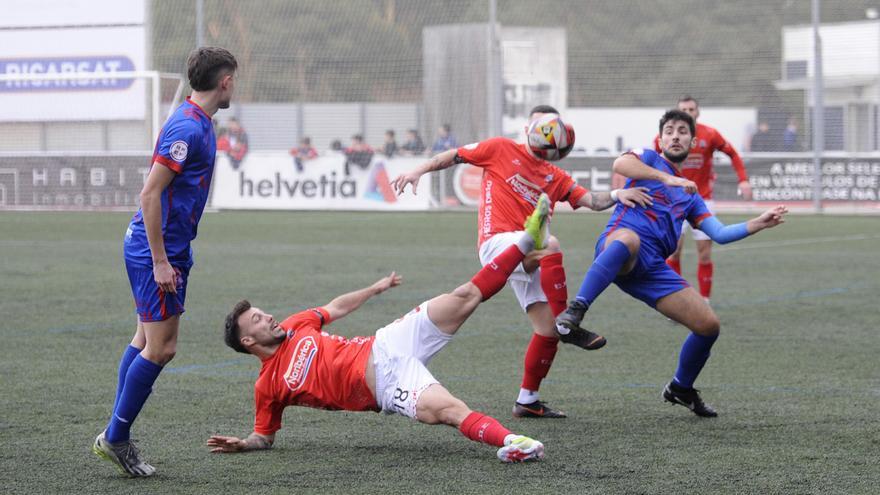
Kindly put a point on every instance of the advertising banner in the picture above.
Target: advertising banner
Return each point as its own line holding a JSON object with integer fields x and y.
{"x": 93, "y": 39}
{"x": 774, "y": 179}
{"x": 270, "y": 180}
{"x": 72, "y": 182}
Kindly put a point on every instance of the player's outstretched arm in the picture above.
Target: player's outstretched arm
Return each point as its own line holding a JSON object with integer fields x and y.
{"x": 346, "y": 303}
{"x": 228, "y": 445}
{"x": 769, "y": 219}
{"x": 628, "y": 165}
{"x": 439, "y": 161}
{"x": 598, "y": 201}
{"x": 722, "y": 234}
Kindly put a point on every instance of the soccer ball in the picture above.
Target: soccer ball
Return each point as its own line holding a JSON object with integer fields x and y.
{"x": 549, "y": 138}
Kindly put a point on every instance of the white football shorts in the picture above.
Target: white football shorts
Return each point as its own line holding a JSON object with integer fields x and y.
{"x": 698, "y": 234}
{"x": 400, "y": 353}
{"x": 526, "y": 286}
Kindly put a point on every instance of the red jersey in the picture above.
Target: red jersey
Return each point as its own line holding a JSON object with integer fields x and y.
{"x": 513, "y": 180}
{"x": 312, "y": 368}
{"x": 698, "y": 165}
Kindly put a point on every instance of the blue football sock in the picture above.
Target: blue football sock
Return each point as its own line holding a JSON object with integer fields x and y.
{"x": 602, "y": 272}
{"x": 694, "y": 354}
{"x": 138, "y": 384}
{"x": 128, "y": 356}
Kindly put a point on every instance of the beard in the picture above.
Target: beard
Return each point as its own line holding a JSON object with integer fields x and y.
{"x": 676, "y": 157}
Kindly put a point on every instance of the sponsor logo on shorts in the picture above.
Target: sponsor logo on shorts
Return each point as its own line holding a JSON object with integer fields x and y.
{"x": 178, "y": 150}
{"x": 298, "y": 370}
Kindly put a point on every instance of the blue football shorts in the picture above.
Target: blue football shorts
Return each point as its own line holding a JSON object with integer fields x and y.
{"x": 651, "y": 279}
{"x": 151, "y": 303}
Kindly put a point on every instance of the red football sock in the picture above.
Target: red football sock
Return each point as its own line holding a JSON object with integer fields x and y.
{"x": 674, "y": 264}
{"x": 704, "y": 277}
{"x": 494, "y": 275}
{"x": 553, "y": 282}
{"x": 481, "y": 428}
{"x": 539, "y": 358}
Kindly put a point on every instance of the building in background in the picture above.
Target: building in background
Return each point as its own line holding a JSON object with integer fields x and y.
{"x": 851, "y": 69}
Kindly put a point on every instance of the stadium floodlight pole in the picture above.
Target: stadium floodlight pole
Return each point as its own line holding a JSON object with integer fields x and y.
{"x": 200, "y": 23}
{"x": 818, "y": 111}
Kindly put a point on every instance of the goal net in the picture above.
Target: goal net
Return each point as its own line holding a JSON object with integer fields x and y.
{"x": 84, "y": 86}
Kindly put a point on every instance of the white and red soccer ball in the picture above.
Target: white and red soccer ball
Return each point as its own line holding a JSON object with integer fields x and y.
{"x": 549, "y": 137}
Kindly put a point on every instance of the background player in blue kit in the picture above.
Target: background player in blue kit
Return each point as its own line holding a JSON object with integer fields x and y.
{"x": 632, "y": 250}
{"x": 157, "y": 249}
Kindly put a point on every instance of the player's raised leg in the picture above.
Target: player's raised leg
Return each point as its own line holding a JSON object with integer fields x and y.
{"x": 449, "y": 311}
{"x": 618, "y": 257}
{"x": 437, "y": 406}
{"x": 690, "y": 309}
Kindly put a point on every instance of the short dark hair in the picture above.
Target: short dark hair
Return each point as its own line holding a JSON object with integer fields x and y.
{"x": 676, "y": 114}
{"x": 206, "y": 65}
{"x": 232, "y": 336}
{"x": 390, "y": 132}
{"x": 446, "y": 127}
{"x": 544, "y": 109}
{"x": 686, "y": 97}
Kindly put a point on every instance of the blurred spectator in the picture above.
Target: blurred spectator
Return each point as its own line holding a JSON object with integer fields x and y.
{"x": 336, "y": 145}
{"x": 303, "y": 152}
{"x": 389, "y": 147}
{"x": 790, "y": 136}
{"x": 358, "y": 153}
{"x": 762, "y": 140}
{"x": 414, "y": 144}
{"x": 234, "y": 142}
{"x": 445, "y": 139}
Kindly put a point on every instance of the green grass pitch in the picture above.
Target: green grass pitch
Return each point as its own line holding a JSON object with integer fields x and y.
{"x": 795, "y": 374}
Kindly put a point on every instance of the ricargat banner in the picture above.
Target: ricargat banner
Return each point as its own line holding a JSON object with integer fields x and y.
{"x": 270, "y": 180}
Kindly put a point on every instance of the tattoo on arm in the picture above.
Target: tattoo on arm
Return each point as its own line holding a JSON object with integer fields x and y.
{"x": 600, "y": 201}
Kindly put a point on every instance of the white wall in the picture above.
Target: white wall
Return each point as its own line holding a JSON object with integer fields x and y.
{"x": 599, "y": 127}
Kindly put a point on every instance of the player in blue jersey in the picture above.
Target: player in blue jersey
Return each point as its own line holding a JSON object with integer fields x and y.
{"x": 157, "y": 251}
{"x": 632, "y": 250}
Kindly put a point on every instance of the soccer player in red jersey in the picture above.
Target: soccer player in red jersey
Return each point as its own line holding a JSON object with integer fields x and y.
{"x": 698, "y": 168}
{"x": 304, "y": 366}
{"x": 513, "y": 179}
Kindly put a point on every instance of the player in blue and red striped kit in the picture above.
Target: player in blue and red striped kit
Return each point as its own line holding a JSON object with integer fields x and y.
{"x": 157, "y": 251}
{"x": 632, "y": 251}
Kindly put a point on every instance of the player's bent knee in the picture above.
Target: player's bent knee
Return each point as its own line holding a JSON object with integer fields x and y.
{"x": 441, "y": 408}
{"x": 161, "y": 356}
{"x": 708, "y": 327}
{"x": 629, "y": 238}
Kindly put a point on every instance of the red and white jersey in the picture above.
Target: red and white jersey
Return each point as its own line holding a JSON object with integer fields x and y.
{"x": 698, "y": 165}
{"x": 312, "y": 368}
{"x": 513, "y": 180}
